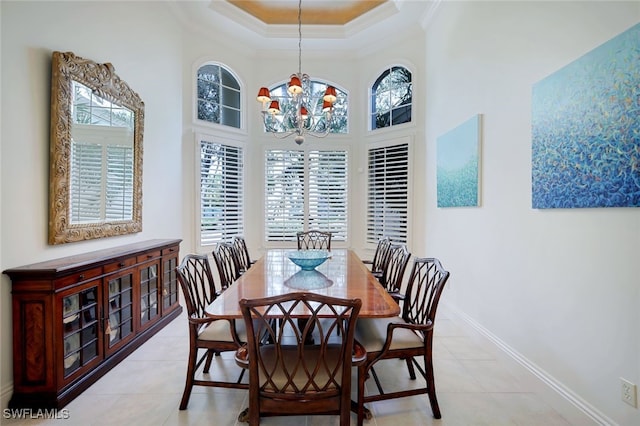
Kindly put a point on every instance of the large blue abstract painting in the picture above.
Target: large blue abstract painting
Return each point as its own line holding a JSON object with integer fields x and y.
{"x": 586, "y": 129}
{"x": 459, "y": 164}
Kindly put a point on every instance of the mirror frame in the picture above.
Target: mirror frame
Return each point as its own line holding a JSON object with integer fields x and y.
{"x": 66, "y": 67}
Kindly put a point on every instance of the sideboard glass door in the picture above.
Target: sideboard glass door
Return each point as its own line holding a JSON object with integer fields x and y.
{"x": 119, "y": 324}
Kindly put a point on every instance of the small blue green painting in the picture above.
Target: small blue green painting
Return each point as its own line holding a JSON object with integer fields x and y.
{"x": 586, "y": 129}
{"x": 458, "y": 165}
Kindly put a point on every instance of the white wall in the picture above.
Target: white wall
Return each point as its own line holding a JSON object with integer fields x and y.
{"x": 142, "y": 41}
{"x": 561, "y": 286}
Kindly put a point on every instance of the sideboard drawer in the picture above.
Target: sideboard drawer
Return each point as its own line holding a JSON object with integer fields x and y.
{"x": 122, "y": 264}
{"x": 79, "y": 277}
{"x": 148, "y": 256}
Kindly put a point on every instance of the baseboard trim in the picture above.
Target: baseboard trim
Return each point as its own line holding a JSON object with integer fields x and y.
{"x": 588, "y": 409}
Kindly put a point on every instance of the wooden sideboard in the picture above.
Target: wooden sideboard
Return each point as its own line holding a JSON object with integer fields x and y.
{"x": 77, "y": 317}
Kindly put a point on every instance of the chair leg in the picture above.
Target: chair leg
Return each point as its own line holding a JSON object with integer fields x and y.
{"x": 431, "y": 387}
{"x": 412, "y": 371}
{"x": 362, "y": 376}
{"x": 345, "y": 416}
{"x": 207, "y": 364}
{"x": 254, "y": 412}
{"x": 193, "y": 355}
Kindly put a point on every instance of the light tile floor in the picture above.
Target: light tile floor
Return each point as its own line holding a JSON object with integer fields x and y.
{"x": 476, "y": 383}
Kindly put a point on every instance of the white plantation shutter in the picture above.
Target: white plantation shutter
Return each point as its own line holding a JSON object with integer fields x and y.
{"x": 328, "y": 192}
{"x": 221, "y": 192}
{"x": 85, "y": 182}
{"x": 119, "y": 186}
{"x": 101, "y": 176}
{"x": 387, "y": 193}
{"x": 305, "y": 191}
{"x": 284, "y": 194}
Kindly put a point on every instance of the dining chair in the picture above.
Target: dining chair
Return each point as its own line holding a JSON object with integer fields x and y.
{"x": 213, "y": 336}
{"x": 314, "y": 240}
{"x": 227, "y": 263}
{"x": 288, "y": 376}
{"x": 405, "y": 337}
{"x": 394, "y": 269}
{"x": 242, "y": 253}
{"x": 379, "y": 257}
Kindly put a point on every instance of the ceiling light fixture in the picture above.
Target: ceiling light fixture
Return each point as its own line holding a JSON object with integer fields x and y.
{"x": 306, "y": 113}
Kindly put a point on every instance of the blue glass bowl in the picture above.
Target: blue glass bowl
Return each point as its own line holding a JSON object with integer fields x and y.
{"x": 308, "y": 260}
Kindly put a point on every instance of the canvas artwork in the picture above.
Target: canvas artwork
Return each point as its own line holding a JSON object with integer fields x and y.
{"x": 586, "y": 129}
{"x": 458, "y": 165}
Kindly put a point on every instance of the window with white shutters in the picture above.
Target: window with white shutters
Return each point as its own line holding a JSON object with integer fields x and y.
{"x": 221, "y": 192}
{"x": 101, "y": 174}
{"x": 86, "y": 182}
{"x": 328, "y": 193}
{"x": 305, "y": 190}
{"x": 284, "y": 194}
{"x": 119, "y": 189}
{"x": 387, "y": 193}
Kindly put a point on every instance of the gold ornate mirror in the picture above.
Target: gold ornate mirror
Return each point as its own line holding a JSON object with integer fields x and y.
{"x": 97, "y": 123}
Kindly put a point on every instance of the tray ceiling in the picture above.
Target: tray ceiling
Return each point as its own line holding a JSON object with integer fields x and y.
{"x": 285, "y": 12}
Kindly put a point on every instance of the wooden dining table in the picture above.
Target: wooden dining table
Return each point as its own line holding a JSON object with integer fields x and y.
{"x": 343, "y": 275}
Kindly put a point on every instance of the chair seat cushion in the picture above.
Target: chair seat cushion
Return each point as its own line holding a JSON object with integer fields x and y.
{"x": 372, "y": 333}
{"x": 220, "y": 331}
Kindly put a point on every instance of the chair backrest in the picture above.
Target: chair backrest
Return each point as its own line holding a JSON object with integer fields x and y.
{"x": 314, "y": 240}
{"x": 196, "y": 281}
{"x": 424, "y": 288}
{"x": 287, "y": 375}
{"x": 242, "y": 252}
{"x": 396, "y": 263}
{"x": 227, "y": 263}
{"x": 381, "y": 255}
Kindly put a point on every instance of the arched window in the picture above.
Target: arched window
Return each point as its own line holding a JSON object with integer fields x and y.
{"x": 314, "y": 107}
{"x": 218, "y": 96}
{"x": 391, "y": 98}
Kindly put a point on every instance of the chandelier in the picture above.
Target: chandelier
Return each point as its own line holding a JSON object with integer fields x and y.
{"x": 302, "y": 116}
